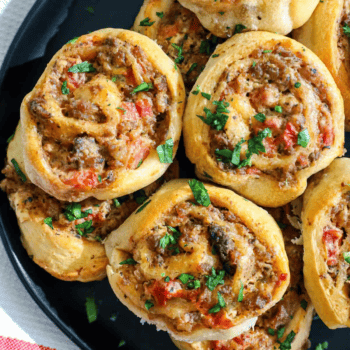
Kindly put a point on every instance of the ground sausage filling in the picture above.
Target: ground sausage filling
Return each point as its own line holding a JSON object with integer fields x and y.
{"x": 186, "y": 41}
{"x": 270, "y": 327}
{"x": 272, "y": 121}
{"x": 200, "y": 268}
{"x": 120, "y": 101}
{"x": 336, "y": 241}
{"x": 90, "y": 219}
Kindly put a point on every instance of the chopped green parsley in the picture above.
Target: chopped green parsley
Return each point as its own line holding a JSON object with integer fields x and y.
{"x": 240, "y": 294}
{"x": 48, "y": 222}
{"x": 129, "y": 261}
{"x": 91, "y": 309}
{"x": 165, "y": 152}
{"x": 221, "y": 304}
{"x": 83, "y": 67}
{"x": 218, "y": 119}
{"x": 216, "y": 278}
{"x": 18, "y": 170}
{"x": 148, "y": 304}
{"x": 239, "y": 28}
{"x": 199, "y": 192}
{"x": 146, "y": 23}
{"x": 142, "y": 87}
{"x": 64, "y": 89}
{"x": 303, "y": 138}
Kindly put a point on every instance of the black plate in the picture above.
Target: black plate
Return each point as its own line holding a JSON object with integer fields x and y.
{"x": 48, "y": 26}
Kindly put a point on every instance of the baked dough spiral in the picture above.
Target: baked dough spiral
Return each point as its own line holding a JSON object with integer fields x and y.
{"x": 325, "y": 225}
{"x": 199, "y": 272}
{"x": 180, "y": 34}
{"x": 327, "y": 34}
{"x": 222, "y": 17}
{"x": 289, "y": 321}
{"x": 264, "y": 116}
{"x": 66, "y": 238}
{"x": 96, "y": 116}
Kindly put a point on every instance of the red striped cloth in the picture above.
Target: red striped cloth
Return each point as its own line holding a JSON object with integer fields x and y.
{"x": 15, "y": 344}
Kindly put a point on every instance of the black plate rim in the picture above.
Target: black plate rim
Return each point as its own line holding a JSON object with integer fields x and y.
{"x": 32, "y": 14}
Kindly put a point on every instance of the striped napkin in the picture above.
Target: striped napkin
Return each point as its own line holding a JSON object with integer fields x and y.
{"x": 9, "y": 343}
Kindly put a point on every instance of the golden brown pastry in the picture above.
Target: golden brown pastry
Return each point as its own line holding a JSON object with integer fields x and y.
{"x": 225, "y": 17}
{"x": 199, "y": 262}
{"x": 326, "y": 226}
{"x": 93, "y": 122}
{"x": 66, "y": 238}
{"x": 264, "y": 116}
{"x": 179, "y": 33}
{"x": 289, "y": 321}
{"x": 327, "y": 34}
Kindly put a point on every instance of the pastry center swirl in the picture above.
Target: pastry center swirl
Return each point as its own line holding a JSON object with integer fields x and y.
{"x": 196, "y": 253}
{"x": 274, "y": 93}
{"x": 102, "y": 109}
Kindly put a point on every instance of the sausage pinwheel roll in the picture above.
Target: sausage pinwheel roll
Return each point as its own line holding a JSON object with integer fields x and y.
{"x": 66, "y": 238}
{"x": 326, "y": 227}
{"x": 289, "y": 321}
{"x": 264, "y": 116}
{"x": 179, "y": 33}
{"x": 226, "y": 17}
{"x": 199, "y": 262}
{"x": 327, "y": 34}
{"x": 104, "y": 119}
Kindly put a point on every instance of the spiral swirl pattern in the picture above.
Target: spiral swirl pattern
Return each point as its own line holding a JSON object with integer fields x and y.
{"x": 97, "y": 114}
{"x": 198, "y": 272}
{"x": 265, "y": 115}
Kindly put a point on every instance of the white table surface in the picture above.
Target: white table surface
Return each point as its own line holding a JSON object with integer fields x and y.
{"x": 20, "y": 317}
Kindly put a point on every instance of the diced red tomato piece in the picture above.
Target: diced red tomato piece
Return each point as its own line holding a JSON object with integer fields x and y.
{"x": 272, "y": 123}
{"x": 328, "y": 136}
{"x": 163, "y": 291}
{"x": 97, "y": 217}
{"x": 281, "y": 278}
{"x": 253, "y": 170}
{"x": 303, "y": 160}
{"x": 332, "y": 240}
{"x": 83, "y": 180}
{"x": 130, "y": 78}
{"x": 72, "y": 81}
{"x": 290, "y": 135}
{"x": 140, "y": 152}
{"x": 240, "y": 340}
{"x": 131, "y": 112}
{"x": 270, "y": 146}
{"x": 218, "y": 320}
{"x": 144, "y": 108}
{"x": 169, "y": 30}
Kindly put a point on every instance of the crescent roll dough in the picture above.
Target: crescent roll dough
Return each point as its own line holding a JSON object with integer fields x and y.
{"x": 264, "y": 116}
{"x": 93, "y": 121}
{"x": 293, "y": 313}
{"x": 65, "y": 238}
{"x": 222, "y": 17}
{"x": 200, "y": 273}
{"x": 327, "y": 35}
{"x": 326, "y": 226}
{"x": 180, "y": 34}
